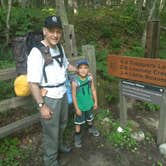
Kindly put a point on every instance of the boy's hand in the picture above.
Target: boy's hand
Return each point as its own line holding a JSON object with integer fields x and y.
{"x": 95, "y": 106}
{"x": 78, "y": 112}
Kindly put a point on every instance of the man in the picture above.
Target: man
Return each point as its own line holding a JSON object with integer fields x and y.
{"x": 52, "y": 102}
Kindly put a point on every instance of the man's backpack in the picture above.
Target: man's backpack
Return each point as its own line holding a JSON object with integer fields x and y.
{"x": 22, "y": 47}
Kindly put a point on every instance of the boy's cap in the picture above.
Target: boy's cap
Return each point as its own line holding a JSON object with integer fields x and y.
{"x": 82, "y": 62}
{"x": 53, "y": 21}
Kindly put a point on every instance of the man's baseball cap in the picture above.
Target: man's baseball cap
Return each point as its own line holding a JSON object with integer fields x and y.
{"x": 82, "y": 62}
{"x": 53, "y": 22}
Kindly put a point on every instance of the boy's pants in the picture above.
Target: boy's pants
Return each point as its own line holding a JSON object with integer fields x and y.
{"x": 53, "y": 129}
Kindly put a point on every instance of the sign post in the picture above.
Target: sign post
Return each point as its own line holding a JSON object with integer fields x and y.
{"x": 123, "y": 107}
{"x": 143, "y": 79}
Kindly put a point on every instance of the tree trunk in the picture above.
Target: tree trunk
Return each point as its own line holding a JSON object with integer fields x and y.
{"x": 162, "y": 3}
{"x": 61, "y": 11}
{"x": 7, "y": 21}
{"x": 75, "y": 5}
{"x": 70, "y": 3}
{"x": 2, "y": 4}
{"x": 153, "y": 14}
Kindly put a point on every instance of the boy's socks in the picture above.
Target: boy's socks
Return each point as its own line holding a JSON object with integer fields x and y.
{"x": 77, "y": 140}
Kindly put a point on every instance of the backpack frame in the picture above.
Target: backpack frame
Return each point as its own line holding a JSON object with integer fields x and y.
{"x": 22, "y": 46}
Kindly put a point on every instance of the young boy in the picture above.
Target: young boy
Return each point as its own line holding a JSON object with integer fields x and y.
{"x": 84, "y": 100}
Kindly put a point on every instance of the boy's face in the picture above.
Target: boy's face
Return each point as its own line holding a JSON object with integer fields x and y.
{"x": 83, "y": 70}
{"x": 52, "y": 35}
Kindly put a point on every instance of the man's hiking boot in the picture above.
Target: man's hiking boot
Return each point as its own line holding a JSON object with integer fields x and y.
{"x": 92, "y": 130}
{"x": 77, "y": 140}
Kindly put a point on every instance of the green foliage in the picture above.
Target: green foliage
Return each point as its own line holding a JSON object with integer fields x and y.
{"x": 6, "y": 64}
{"x": 136, "y": 50}
{"x": 107, "y": 24}
{"x": 10, "y": 152}
{"x": 5, "y": 54}
{"x": 101, "y": 57}
{"x": 6, "y": 89}
{"x": 48, "y": 12}
{"x": 159, "y": 163}
{"x": 151, "y": 107}
{"x": 116, "y": 45}
{"x": 162, "y": 48}
{"x": 107, "y": 85}
{"x": 123, "y": 139}
{"x": 149, "y": 138}
{"x": 108, "y": 126}
{"x": 24, "y": 19}
{"x": 163, "y": 16}
{"x": 147, "y": 106}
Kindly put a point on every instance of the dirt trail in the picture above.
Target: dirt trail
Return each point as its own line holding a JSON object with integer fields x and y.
{"x": 96, "y": 152}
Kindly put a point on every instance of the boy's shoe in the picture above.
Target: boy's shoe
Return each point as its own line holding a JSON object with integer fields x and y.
{"x": 92, "y": 130}
{"x": 77, "y": 140}
{"x": 64, "y": 149}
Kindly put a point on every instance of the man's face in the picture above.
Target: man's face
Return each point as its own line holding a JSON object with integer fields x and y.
{"x": 52, "y": 36}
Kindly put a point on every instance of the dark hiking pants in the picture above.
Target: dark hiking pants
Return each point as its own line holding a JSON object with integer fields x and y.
{"x": 53, "y": 129}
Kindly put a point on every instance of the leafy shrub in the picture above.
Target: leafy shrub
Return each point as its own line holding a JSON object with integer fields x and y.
{"x": 10, "y": 152}
{"x": 108, "y": 127}
{"x": 6, "y": 89}
{"x": 107, "y": 23}
{"x": 136, "y": 50}
{"x": 146, "y": 106}
{"x": 23, "y": 20}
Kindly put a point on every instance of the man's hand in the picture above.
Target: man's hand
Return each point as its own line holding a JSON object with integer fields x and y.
{"x": 45, "y": 111}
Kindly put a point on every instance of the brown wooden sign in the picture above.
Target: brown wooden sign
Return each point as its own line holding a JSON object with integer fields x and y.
{"x": 147, "y": 70}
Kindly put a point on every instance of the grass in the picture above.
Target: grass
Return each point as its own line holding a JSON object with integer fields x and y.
{"x": 11, "y": 153}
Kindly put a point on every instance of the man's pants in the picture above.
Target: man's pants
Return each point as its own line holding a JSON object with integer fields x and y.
{"x": 53, "y": 129}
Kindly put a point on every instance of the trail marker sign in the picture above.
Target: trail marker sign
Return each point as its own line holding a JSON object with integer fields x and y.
{"x": 147, "y": 70}
{"x": 142, "y": 91}
{"x": 143, "y": 79}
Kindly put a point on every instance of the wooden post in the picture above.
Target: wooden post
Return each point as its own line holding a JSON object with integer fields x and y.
{"x": 123, "y": 107}
{"x": 162, "y": 121}
{"x": 88, "y": 51}
{"x": 70, "y": 41}
{"x": 152, "y": 39}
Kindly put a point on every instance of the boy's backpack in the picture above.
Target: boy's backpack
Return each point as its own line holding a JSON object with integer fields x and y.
{"x": 80, "y": 87}
{"x": 72, "y": 77}
{"x": 22, "y": 47}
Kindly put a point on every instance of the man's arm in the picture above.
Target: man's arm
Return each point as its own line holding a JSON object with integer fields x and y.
{"x": 45, "y": 111}
{"x": 35, "y": 90}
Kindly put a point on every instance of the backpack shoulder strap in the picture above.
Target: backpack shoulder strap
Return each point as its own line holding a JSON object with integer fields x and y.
{"x": 45, "y": 53}
{"x": 76, "y": 81}
{"x": 59, "y": 58}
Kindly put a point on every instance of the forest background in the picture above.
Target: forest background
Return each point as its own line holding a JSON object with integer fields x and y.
{"x": 112, "y": 26}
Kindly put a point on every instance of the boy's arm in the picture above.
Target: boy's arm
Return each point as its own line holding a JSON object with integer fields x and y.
{"x": 94, "y": 94}
{"x": 78, "y": 112}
